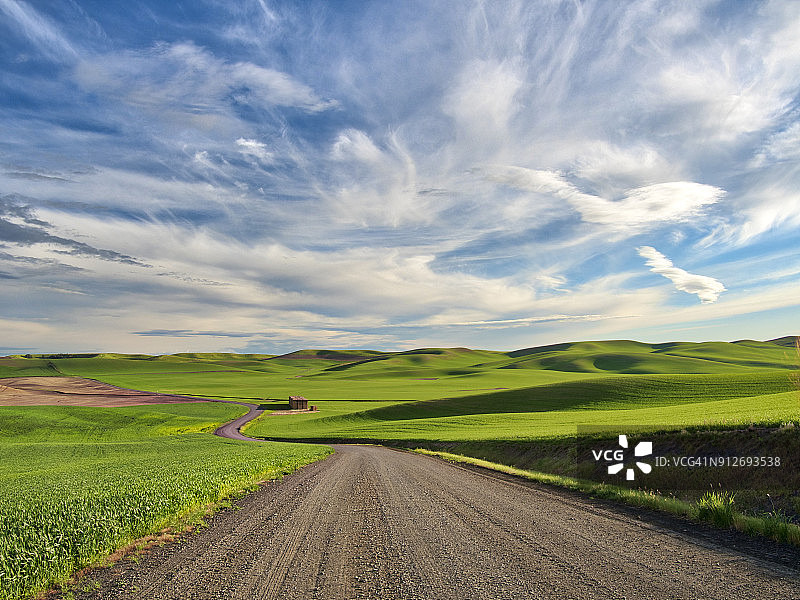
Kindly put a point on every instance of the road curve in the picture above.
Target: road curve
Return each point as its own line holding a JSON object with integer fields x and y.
{"x": 231, "y": 428}
{"x": 370, "y": 522}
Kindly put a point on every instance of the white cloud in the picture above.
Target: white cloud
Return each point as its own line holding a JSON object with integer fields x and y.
{"x": 739, "y": 82}
{"x": 554, "y": 282}
{"x": 361, "y": 281}
{"x": 707, "y": 289}
{"x": 609, "y": 166}
{"x": 783, "y": 145}
{"x": 379, "y": 213}
{"x": 201, "y": 158}
{"x": 186, "y": 77}
{"x": 768, "y": 201}
{"x": 709, "y": 99}
{"x": 357, "y": 145}
{"x": 364, "y": 287}
{"x": 20, "y": 330}
{"x": 268, "y": 14}
{"x": 39, "y": 30}
{"x": 254, "y": 148}
{"x": 482, "y": 99}
{"x": 374, "y": 186}
{"x": 673, "y": 202}
{"x": 772, "y": 205}
{"x": 520, "y": 322}
{"x": 118, "y": 188}
{"x": 639, "y": 209}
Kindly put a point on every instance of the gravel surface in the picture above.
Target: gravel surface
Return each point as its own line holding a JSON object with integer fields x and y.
{"x": 371, "y": 522}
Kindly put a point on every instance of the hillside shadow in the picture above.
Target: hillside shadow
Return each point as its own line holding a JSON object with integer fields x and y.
{"x": 413, "y": 356}
{"x": 526, "y": 400}
{"x": 540, "y": 349}
{"x": 612, "y": 392}
{"x": 274, "y": 406}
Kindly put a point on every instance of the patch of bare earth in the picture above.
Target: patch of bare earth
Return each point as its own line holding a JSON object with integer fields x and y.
{"x": 76, "y": 391}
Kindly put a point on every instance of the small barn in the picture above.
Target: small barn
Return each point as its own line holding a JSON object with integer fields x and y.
{"x": 298, "y": 403}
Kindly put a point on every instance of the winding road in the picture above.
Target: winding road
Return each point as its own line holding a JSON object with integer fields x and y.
{"x": 374, "y": 523}
{"x": 231, "y": 428}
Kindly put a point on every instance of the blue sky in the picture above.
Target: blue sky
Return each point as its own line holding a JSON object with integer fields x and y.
{"x": 266, "y": 176}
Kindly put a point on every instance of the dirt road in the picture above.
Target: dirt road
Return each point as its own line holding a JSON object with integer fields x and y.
{"x": 369, "y": 522}
{"x": 231, "y": 428}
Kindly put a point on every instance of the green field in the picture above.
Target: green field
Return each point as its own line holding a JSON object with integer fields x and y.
{"x": 461, "y": 394}
{"x": 78, "y": 483}
{"x": 127, "y": 472}
{"x": 516, "y": 416}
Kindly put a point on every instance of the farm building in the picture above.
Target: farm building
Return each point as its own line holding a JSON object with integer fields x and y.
{"x": 298, "y": 403}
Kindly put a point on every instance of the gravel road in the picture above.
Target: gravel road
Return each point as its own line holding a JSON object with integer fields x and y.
{"x": 369, "y": 522}
{"x": 231, "y": 429}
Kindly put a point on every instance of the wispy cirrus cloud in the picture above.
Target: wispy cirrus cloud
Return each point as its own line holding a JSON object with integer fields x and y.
{"x": 192, "y": 333}
{"x": 783, "y": 145}
{"x": 185, "y": 84}
{"x": 375, "y": 185}
{"x": 45, "y": 35}
{"x": 483, "y": 100}
{"x": 255, "y": 149}
{"x": 20, "y": 226}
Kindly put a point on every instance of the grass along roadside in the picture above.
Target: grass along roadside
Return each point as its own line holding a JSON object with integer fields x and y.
{"x": 714, "y": 507}
{"x": 78, "y": 484}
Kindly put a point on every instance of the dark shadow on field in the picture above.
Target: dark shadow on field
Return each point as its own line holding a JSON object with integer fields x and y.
{"x": 588, "y": 363}
{"x": 273, "y": 405}
{"x": 412, "y": 356}
{"x": 252, "y": 399}
{"x": 605, "y": 392}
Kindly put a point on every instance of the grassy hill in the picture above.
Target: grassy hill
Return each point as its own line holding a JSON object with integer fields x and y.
{"x": 601, "y": 357}
{"x": 24, "y": 367}
{"x": 623, "y": 356}
{"x": 614, "y": 374}
{"x": 549, "y": 391}
{"x": 554, "y": 410}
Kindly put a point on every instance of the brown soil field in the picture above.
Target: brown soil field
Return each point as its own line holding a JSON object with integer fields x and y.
{"x": 76, "y": 391}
